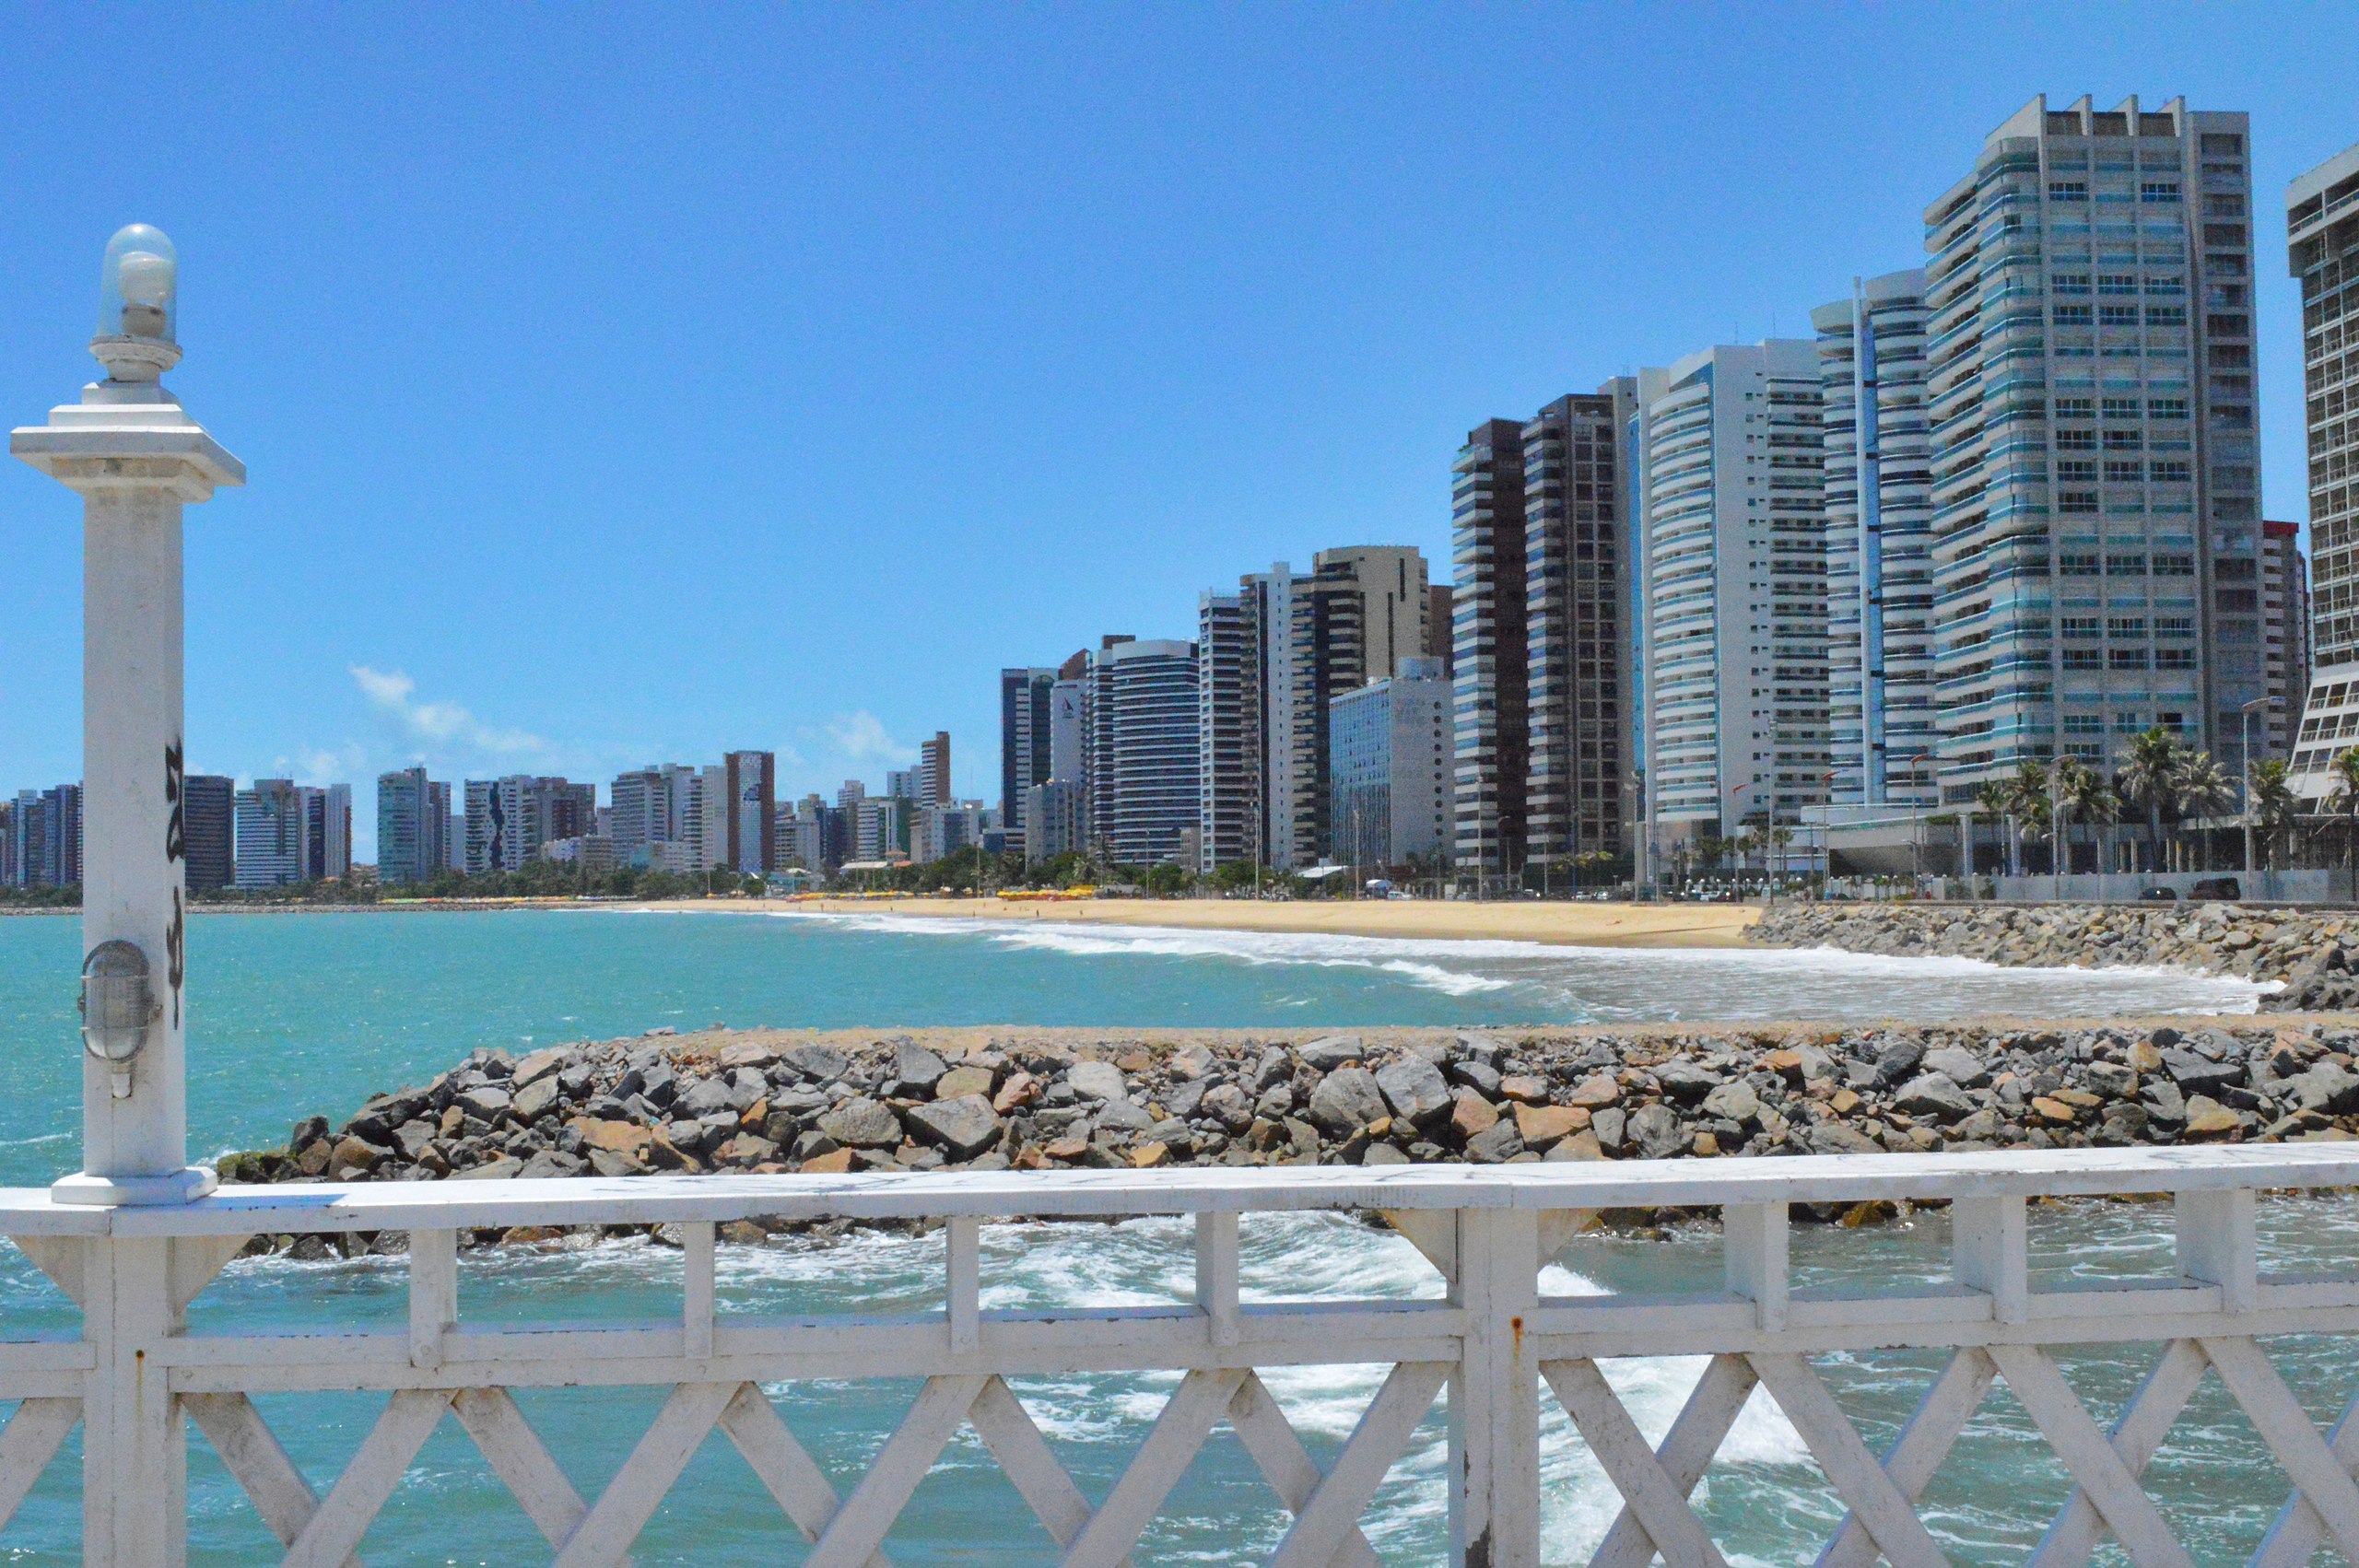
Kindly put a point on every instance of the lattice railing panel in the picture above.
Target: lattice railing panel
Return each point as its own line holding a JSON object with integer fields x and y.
{"x": 845, "y": 1529}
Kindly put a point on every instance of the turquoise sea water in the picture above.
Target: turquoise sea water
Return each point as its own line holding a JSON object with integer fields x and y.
{"x": 293, "y": 1013}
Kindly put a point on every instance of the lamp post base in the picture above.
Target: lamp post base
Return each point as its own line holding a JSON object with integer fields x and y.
{"x": 134, "y": 1191}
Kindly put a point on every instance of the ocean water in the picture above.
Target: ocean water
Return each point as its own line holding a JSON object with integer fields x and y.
{"x": 292, "y": 1014}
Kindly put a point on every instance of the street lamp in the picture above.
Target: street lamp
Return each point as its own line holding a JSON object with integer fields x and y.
{"x": 2245, "y": 784}
{"x": 1916, "y": 827}
{"x": 136, "y": 459}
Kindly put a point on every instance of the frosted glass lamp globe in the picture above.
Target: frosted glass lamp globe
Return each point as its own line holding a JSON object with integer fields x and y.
{"x": 139, "y": 286}
{"x": 138, "y": 336}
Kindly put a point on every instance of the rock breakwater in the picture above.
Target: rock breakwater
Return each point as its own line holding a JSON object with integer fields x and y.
{"x": 770, "y": 1102}
{"x": 2315, "y": 952}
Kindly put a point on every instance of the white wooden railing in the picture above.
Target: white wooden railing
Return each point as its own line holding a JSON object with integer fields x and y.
{"x": 1493, "y": 1343}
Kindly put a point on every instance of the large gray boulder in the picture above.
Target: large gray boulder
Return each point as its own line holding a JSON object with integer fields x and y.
{"x": 1331, "y": 1051}
{"x": 1935, "y": 1097}
{"x": 1415, "y": 1088}
{"x": 862, "y": 1123}
{"x": 917, "y": 1068}
{"x": 964, "y": 1128}
{"x": 819, "y": 1064}
{"x": 1345, "y": 1101}
{"x": 1958, "y": 1065}
{"x": 1657, "y": 1131}
{"x": 1098, "y": 1081}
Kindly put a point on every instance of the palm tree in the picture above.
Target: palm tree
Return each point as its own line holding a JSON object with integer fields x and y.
{"x": 1988, "y": 801}
{"x": 2342, "y": 798}
{"x": 2026, "y": 791}
{"x": 2274, "y": 804}
{"x": 2148, "y": 779}
{"x": 2076, "y": 791}
{"x": 2202, "y": 788}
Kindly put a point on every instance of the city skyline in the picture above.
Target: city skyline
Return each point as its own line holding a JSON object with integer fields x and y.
{"x": 334, "y": 634}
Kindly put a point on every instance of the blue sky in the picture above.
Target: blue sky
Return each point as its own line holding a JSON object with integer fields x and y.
{"x": 623, "y": 384}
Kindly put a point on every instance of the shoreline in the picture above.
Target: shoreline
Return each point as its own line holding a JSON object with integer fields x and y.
{"x": 1548, "y": 924}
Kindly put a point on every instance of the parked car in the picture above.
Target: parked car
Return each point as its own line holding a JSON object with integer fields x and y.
{"x": 2159, "y": 894}
{"x": 2226, "y": 889}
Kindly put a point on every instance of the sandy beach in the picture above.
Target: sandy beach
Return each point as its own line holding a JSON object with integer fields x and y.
{"x": 1567, "y": 925}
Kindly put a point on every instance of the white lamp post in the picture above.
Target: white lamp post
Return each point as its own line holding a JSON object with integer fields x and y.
{"x": 136, "y": 459}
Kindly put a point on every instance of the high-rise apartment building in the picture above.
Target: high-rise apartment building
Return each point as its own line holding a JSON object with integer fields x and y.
{"x": 2096, "y": 481}
{"x": 1729, "y": 510}
{"x": 270, "y": 835}
{"x": 934, "y": 761}
{"x": 1577, "y": 642}
{"x": 45, "y": 837}
{"x": 1144, "y": 759}
{"x": 1232, "y": 825}
{"x": 1490, "y": 729}
{"x": 323, "y": 816}
{"x": 1879, "y": 537}
{"x": 1387, "y": 582}
{"x": 1441, "y": 629}
{"x": 1269, "y": 658}
{"x": 1389, "y": 768}
{"x": 1056, "y": 820}
{"x": 508, "y": 819}
{"x": 7, "y": 844}
{"x": 2284, "y": 637}
{"x": 1024, "y": 735}
{"x": 208, "y": 831}
{"x": 2322, "y": 239}
{"x": 749, "y": 812}
{"x": 413, "y": 814}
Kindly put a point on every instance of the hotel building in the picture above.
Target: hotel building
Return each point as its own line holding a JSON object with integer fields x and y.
{"x": 2322, "y": 236}
{"x": 2089, "y": 372}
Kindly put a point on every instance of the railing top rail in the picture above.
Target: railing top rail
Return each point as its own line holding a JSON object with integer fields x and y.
{"x": 1625, "y": 1184}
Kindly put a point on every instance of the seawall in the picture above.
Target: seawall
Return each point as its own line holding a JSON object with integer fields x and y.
{"x": 997, "y": 1099}
{"x": 2315, "y": 952}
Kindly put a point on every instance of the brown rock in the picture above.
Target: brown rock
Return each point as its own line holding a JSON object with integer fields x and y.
{"x": 1599, "y": 1089}
{"x": 1134, "y": 1061}
{"x": 607, "y": 1163}
{"x": 961, "y": 1082}
{"x": 836, "y": 1161}
{"x": 746, "y": 1149}
{"x": 2079, "y": 1098}
{"x": 2050, "y": 1109}
{"x": 1525, "y": 1087}
{"x": 1844, "y": 1103}
{"x": 1066, "y": 1148}
{"x": 313, "y": 1160}
{"x": 1542, "y": 1124}
{"x": 1020, "y": 1089}
{"x": 625, "y": 1137}
{"x": 1706, "y": 1144}
{"x": 1785, "y": 1064}
{"x": 1581, "y": 1145}
{"x": 744, "y": 1233}
{"x": 353, "y": 1157}
{"x": 1147, "y": 1156}
{"x": 2207, "y": 1118}
{"x": 1471, "y": 1115}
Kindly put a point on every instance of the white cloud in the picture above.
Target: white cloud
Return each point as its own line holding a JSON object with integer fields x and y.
{"x": 859, "y": 737}
{"x": 341, "y": 765}
{"x": 442, "y": 723}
